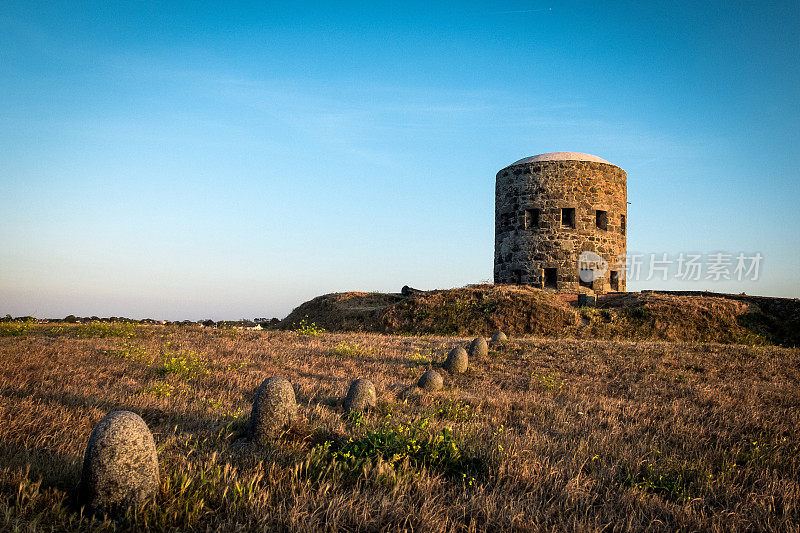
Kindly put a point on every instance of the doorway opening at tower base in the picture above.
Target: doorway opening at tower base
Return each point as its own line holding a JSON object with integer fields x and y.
{"x": 551, "y": 278}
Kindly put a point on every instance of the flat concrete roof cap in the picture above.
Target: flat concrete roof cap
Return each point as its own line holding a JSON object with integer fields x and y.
{"x": 561, "y": 156}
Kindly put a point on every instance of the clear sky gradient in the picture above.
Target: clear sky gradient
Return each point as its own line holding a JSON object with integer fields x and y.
{"x": 196, "y": 160}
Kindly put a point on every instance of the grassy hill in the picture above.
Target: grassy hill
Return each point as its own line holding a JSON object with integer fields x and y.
{"x": 519, "y": 310}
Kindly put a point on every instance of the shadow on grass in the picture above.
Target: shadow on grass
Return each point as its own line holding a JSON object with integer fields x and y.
{"x": 62, "y": 471}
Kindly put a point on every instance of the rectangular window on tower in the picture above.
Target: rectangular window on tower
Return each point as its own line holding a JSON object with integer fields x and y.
{"x": 601, "y": 219}
{"x": 622, "y": 227}
{"x": 568, "y": 217}
{"x": 531, "y": 218}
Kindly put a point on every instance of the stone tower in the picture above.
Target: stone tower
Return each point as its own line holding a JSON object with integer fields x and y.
{"x": 560, "y": 223}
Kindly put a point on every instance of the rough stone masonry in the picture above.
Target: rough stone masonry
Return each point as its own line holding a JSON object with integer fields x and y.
{"x": 551, "y": 208}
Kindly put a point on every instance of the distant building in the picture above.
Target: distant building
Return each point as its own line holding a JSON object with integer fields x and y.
{"x": 561, "y": 223}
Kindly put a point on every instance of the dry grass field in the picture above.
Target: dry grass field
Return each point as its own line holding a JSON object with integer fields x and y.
{"x": 543, "y": 434}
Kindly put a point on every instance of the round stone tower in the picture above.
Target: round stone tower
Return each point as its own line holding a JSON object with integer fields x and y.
{"x": 560, "y": 223}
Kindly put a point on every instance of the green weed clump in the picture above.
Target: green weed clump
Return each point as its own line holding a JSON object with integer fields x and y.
{"x": 15, "y": 328}
{"x": 598, "y": 315}
{"x": 641, "y": 313}
{"x": 308, "y": 330}
{"x": 769, "y": 453}
{"x": 356, "y": 419}
{"x": 159, "y": 389}
{"x": 186, "y": 364}
{"x": 455, "y": 411}
{"x": 398, "y": 446}
{"x": 131, "y": 351}
{"x": 420, "y": 358}
{"x": 548, "y": 381}
{"x": 94, "y": 330}
{"x": 677, "y": 485}
{"x": 213, "y": 403}
{"x": 349, "y": 350}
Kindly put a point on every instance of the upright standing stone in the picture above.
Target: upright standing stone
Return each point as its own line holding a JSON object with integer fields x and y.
{"x": 478, "y": 348}
{"x": 120, "y": 466}
{"x": 361, "y": 396}
{"x": 457, "y": 360}
{"x": 274, "y": 407}
{"x": 430, "y": 381}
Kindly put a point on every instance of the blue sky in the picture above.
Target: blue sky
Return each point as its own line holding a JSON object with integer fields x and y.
{"x": 193, "y": 161}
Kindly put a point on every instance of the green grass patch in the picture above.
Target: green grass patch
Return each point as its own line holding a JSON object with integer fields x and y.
{"x": 765, "y": 452}
{"x": 641, "y": 313}
{"x": 131, "y": 351}
{"x": 454, "y": 410}
{"x": 355, "y": 419}
{"x": 14, "y": 328}
{"x": 594, "y": 314}
{"x": 397, "y": 445}
{"x": 159, "y": 389}
{"x": 94, "y": 330}
{"x": 677, "y": 485}
{"x": 420, "y": 358}
{"x": 547, "y": 381}
{"x": 186, "y": 364}
{"x": 349, "y": 350}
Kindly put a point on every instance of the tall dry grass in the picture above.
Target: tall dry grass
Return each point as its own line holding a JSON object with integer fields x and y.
{"x": 541, "y": 435}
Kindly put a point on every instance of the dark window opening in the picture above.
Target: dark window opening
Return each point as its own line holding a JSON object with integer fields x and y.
{"x": 550, "y": 278}
{"x": 568, "y": 217}
{"x": 531, "y": 218}
{"x": 614, "y": 280}
{"x": 601, "y": 219}
{"x": 516, "y": 276}
{"x": 586, "y": 274}
{"x": 622, "y": 224}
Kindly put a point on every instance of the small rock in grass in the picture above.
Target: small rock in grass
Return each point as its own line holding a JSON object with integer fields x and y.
{"x": 457, "y": 360}
{"x": 120, "y": 465}
{"x": 478, "y": 348}
{"x": 499, "y": 337}
{"x": 274, "y": 407}
{"x": 361, "y": 396}
{"x": 430, "y": 381}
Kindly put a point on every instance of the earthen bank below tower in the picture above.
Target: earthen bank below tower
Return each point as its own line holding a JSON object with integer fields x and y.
{"x": 549, "y": 210}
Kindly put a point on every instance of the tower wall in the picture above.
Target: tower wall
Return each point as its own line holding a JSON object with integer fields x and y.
{"x": 534, "y": 233}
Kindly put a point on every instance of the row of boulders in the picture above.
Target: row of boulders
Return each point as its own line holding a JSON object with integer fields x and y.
{"x": 120, "y": 465}
{"x": 458, "y": 361}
